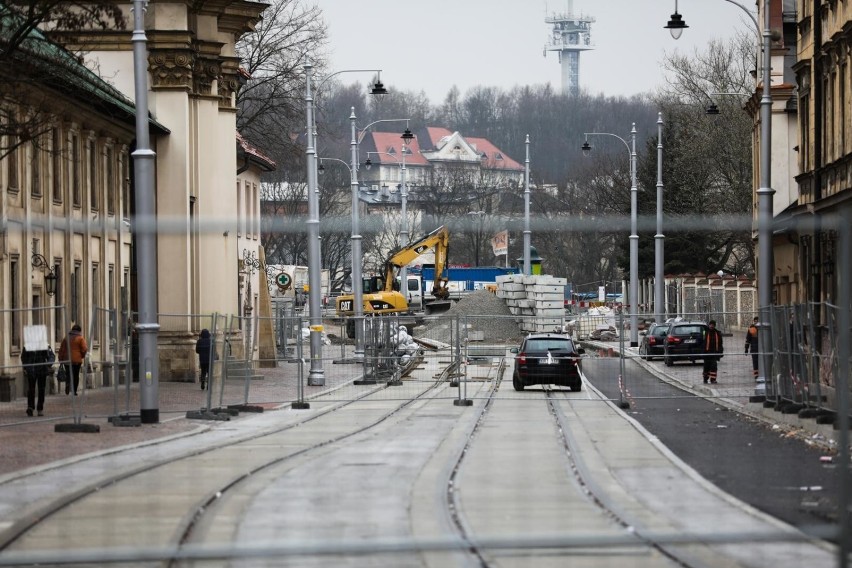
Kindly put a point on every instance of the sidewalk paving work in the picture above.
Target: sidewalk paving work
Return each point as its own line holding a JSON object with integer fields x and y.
{"x": 733, "y": 391}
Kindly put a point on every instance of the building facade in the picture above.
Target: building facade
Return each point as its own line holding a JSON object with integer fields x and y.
{"x": 65, "y": 240}
{"x": 823, "y": 75}
{"x": 74, "y": 206}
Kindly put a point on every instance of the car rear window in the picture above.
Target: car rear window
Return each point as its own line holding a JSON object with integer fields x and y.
{"x": 688, "y": 329}
{"x": 548, "y": 345}
{"x": 661, "y": 330}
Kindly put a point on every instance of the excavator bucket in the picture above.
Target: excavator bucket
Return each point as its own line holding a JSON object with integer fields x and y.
{"x": 437, "y": 307}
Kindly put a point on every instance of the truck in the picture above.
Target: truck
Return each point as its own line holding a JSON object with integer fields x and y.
{"x": 381, "y": 294}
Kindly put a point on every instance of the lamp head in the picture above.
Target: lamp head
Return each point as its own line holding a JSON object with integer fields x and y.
{"x": 321, "y": 168}
{"x": 368, "y": 164}
{"x": 587, "y": 148}
{"x": 378, "y": 88}
{"x": 407, "y": 136}
{"x": 712, "y": 110}
{"x": 50, "y": 282}
{"x": 676, "y": 24}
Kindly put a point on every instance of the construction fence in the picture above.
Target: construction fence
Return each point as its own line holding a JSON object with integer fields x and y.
{"x": 258, "y": 363}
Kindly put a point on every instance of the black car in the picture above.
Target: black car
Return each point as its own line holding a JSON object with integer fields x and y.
{"x": 547, "y": 359}
{"x": 685, "y": 340}
{"x": 653, "y": 342}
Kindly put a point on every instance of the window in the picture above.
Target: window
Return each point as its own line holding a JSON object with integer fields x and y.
{"x": 239, "y": 208}
{"x": 255, "y": 205}
{"x": 56, "y": 163}
{"x": 247, "y": 210}
{"x": 96, "y": 286}
{"x": 75, "y": 294}
{"x": 37, "y": 313}
{"x": 125, "y": 185}
{"x": 35, "y": 171}
{"x": 12, "y": 167}
{"x": 58, "y": 331}
{"x": 842, "y": 105}
{"x": 109, "y": 180}
{"x": 111, "y": 287}
{"x": 15, "y": 301}
{"x": 74, "y": 171}
{"x": 93, "y": 176}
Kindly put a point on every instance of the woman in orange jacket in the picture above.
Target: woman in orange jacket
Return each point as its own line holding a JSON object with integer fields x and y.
{"x": 77, "y": 354}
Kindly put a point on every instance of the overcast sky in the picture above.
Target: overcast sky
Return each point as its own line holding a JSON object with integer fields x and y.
{"x": 431, "y": 45}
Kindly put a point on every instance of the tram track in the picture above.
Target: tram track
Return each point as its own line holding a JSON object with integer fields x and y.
{"x": 411, "y": 480}
{"x": 583, "y": 481}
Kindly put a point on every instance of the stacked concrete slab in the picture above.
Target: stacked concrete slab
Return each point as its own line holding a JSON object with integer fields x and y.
{"x": 538, "y": 300}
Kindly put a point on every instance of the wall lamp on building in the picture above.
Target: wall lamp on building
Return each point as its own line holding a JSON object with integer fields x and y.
{"x": 50, "y": 278}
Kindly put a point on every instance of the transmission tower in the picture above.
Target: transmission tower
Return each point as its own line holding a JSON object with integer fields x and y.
{"x": 570, "y": 35}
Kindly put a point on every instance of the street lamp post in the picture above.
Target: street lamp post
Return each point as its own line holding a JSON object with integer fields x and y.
{"x": 527, "y": 232}
{"x": 316, "y": 375}
{"x": 764, "y": 192}
{"x": 634, "y": 237}
{"x": 357, "y": 282}
{"x": 145, "y": 226}
{"x": 659, "y": 238}
{"x": 356, "y": 274}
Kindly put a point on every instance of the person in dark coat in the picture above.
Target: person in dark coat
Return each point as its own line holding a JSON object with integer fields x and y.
{"x": 752, "y": 346}
{"x": 712, "y": 352}
{"x": 36, "y": 368}
{"x": 204, "y": 348}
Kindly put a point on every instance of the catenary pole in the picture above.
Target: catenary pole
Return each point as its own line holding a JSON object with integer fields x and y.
{"x": 144, "y": 227}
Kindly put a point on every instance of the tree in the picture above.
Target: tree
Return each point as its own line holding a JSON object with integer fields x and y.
{"x": 33, "y": 67}
{"x": 707, "y": 168}
{"x": 270, "y": 106}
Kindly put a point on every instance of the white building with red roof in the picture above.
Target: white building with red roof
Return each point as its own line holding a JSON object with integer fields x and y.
{"x": 432, "y": 157}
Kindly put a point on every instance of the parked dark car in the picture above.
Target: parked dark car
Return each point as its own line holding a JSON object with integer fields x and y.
{"x": 547, "y": 359}
{"x": 653, "y": 342}
{"x": 685, "y": 340}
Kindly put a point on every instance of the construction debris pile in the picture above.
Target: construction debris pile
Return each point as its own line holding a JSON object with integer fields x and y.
{"x": 484, "y": 317}
{"x": 389, "y": 349}
{"x": 538, "y": 300}
{"x": 597, "y": 324}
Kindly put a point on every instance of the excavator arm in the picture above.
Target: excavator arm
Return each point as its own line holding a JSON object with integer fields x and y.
{"x": 439, "y": 239}
{"x": 390, "y": 300}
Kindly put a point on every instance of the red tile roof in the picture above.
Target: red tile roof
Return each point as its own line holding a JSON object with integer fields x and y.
{"x": 387, "y": 141}
{"x": 262, "y": 159}
{"x": 494, "y": 157}
{"x": 427, "y": 139}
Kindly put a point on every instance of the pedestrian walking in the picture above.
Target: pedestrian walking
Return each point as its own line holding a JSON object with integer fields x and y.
{"x": 76, "y": 355}
{"x": 752, "y": 346}
{"x": 712, "y": 352}
{"x": 206, "y": 354}
{"x": 37, "y": 358}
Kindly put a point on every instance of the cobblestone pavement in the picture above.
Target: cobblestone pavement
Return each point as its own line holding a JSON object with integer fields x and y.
{"x": 29, "y": 442}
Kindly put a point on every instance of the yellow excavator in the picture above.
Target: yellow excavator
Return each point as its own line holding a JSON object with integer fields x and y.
{"x": 381, "y": 294}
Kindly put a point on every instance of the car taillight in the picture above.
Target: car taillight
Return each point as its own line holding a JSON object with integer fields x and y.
{"x": 652, "y": 340}
{"x": 522, "y": 358}
{"x": 673, "y": 339}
